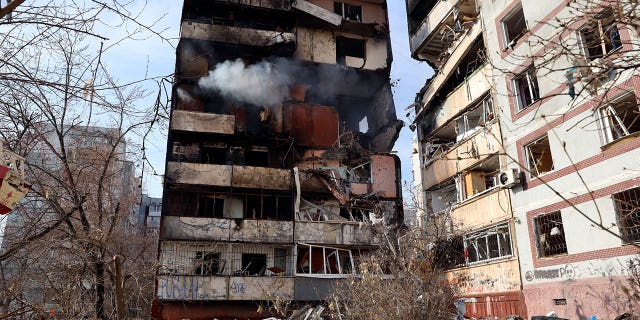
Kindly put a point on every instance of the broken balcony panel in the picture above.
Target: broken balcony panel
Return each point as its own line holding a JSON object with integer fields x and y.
{"x": 383, "y": 176}
{"x": 315, "y": 289}
{"x": 261, "y": 178}
{"x": 262, "y": 231}
{"x": 261, "y": 288}
{"x": 337, "y": 233}
{"x": 312, "y": 125}
{"x": 318, "y": 12}
{"x": 444, "y": 24}
{"x": 451, "y": 65}
{"x": 493, "y": 277}
{"x": 477, "y": 85}
{"x": 182, "y": 120}
{"x": 483, "y": 144}
{"x": 199, "y": 174}
{"x": 267, "y": 4}
{"x": 234, "y": 35}
{"x": 228, "y": 176}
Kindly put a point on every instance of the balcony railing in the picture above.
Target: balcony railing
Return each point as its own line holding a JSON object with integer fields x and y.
{"x": 484, "y": 143}
{"x": 222, "y": 229}
{"x": 234, "y": 35}
{"x": 182, "y": 120}
{"x": 228, "y": 176}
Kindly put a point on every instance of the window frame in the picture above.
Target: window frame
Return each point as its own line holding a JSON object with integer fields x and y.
{"x": 507, "y": 42}
{"x": 532, "y": 85}
{"x": 483, "y": 233}
{"x": 528, "y": 157}
{"x": 343, "y": 10}
{"x": 604, "y": 18}
{"x": 604, "y": 120}
{"x": 635, "y": 207}
{"x": 537, "y": 227}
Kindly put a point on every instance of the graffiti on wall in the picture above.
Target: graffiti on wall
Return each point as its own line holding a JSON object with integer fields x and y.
{"x": 615, "y": 267}
{"x": 238, "y": 287}
{"x": 183, "y": 288}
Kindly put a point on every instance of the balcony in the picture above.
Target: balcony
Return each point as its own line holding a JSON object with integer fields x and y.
{"x": 477, "y": 85}
{"x": 337, "y": 233}
{"x": 495, "y": 277}
{"x": 234, "y": 35}
{"x": 220, "y": 229}
{"x": 482, "y": 144}
{"x": 441, "y": 28}
{"x": 202, "y": 288}
{"x": 182, "y": 120}
{"x": 228, "y": 176}
{"x": 483, "y": 209}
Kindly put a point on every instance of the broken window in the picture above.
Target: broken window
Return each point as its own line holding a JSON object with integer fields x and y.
{"x": 181, "y": 203}
{"x": 620, "y": 117}
{"x": 444, "y": 197}
{"x": 185, "y": 152}
{"x": 539, "y": 158}
{"x": 525, "y": 88}
{"x": 474, "y": 119}
{"x": 207, "y": 263}
{"x": 550, "y": 234}
{"x": 320, "y": 260}
{"x": 257, "y": 156}
{"x": 476, "y": 182}
{"x": 279, "y": 260}
{"x": 348, "y": 11}
{"x": 487, "y": 244}
{"x": 360, "y": 173}
{"x": 214, "y": 153}
{"x": 600, "y": 36}
{"x": 514, "y": 26}
{"x": 627, "y": 204}
{"x": 434, "y": 149}
{"x": 210, "y": 207}
{"x": 253, "y": 264}
{"x": 355, "y": 214}
{"x": 349, "y": 47}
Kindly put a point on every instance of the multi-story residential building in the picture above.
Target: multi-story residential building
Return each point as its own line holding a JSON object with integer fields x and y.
{"x": 570, "y": 122}
{"x": 149, "y": 214}
{"x": 460, "y": 156}
{"x": 565, "y": 101}
{"x": 279, "y": 174}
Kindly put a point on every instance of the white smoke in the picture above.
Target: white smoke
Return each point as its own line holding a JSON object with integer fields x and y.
{"x": 184, "y": 96}
{"x": 264, "y": 83}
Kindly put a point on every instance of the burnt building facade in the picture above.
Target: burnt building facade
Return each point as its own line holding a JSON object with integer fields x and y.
{"x": 279, "y": 174}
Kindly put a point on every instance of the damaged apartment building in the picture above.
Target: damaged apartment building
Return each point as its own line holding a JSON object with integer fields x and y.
{"x": 458, "y": 159}
{"x": 279, "y": 175}
{"x": 529, "y": 130}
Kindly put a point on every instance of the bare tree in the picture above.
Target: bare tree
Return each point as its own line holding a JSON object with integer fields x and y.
{"x": 75, "y": 125}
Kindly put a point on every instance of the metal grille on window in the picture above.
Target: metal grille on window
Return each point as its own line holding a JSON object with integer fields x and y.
{"x": 628, "y": 211}
{"x": 550, "y": 234}
{"x": 223, "y": 259}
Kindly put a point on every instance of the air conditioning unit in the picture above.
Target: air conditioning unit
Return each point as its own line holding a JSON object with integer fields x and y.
{"x": 509, "y": 178}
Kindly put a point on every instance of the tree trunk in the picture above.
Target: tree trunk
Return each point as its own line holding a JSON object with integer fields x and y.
{"x": 99, "y": 287}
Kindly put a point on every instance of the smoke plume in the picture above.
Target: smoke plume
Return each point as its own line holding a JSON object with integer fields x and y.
{"x": 264, "y": 83}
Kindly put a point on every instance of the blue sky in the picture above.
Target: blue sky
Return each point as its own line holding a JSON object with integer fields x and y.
{"x": 131, "y": 58}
